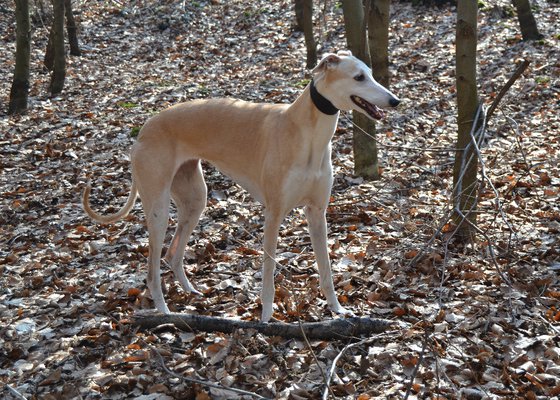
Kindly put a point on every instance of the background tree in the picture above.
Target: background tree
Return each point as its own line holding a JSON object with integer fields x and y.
{"x": 20, "y": 84}
{"x": 378, "y": 38}
{"x": 466, "y": 159}
{"x": 527, "y": 23}
{"x": 58, "y": 56}
{"x": 304, "y": 22}
{"x": 365, "y": 148}
{"x": 72, "y": 29}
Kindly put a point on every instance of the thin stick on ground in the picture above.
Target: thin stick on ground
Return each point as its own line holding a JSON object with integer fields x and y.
{"x": 417, "y": 366}
{"x": 154, "y": 351}
{"x": 327, "y": 389}
{"x": 15, "y": 393}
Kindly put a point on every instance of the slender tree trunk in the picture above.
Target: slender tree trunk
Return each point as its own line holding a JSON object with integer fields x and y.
{"x": 298, "y": 8}
{"x": 527, "y": 23}
{"x": 365, "y": 148}
{"x": 48, "y": 61}
{"x": 59, "y": 64}
{"x": 466, "y": 159}
{"x": 20, "y": 83}
{"x": 356, "y": 29}
{"x": 72, "y": 29}
{"x": 308, "y": 33}
{"x": 378, "y": 39}
{"x": 304, "y": 22}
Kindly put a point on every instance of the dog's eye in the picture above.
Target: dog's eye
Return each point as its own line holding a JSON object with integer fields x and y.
{"x": 359, "y": 78}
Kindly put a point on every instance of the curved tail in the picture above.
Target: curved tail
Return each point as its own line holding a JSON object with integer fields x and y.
{"x": 105, "y": 219}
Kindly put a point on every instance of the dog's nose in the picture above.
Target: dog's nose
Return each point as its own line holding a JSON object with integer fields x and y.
{"x": 394, "y": 102}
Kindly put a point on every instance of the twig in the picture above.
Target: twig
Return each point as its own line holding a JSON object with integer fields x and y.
{"x": 346, "y": 348}
{"x": 418, "y": 364}
{"x": 315, "y": 358}
{"x": 198, "y": 381}
{"x": 367, "y": 9}
{"x": 15, "y": 393}
{"x": 520, "y": 69}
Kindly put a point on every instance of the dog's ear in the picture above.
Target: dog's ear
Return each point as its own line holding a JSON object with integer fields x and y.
{"x": 328, "y": 60}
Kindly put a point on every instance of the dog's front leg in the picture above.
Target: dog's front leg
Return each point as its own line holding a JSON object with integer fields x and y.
{"x": 318, "y": 232}
{"x": 271, "y": 227}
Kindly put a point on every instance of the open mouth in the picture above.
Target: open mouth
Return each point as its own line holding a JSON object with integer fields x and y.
{"x": 371, "y": 109}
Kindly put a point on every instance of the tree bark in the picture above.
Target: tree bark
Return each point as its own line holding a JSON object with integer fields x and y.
{"x": 308, "y": 33}
{"x": 365, "y": 148}
{"x": 298, "y": 8}
{"x": 325, "y": 330}
{"x": 20, "y": 84}
{"x": 48, "y": 61}
{"x": 72, "y": 29}
{"x": 59, "y": 59}
{"x": 378, "y": 39}
{"x": 304, "y": 23}
{"x": 527, "y": 23}
{"x": 465, "y": 169}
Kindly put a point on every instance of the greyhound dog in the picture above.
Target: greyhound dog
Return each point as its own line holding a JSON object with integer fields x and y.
{"x": 280, "y": 153}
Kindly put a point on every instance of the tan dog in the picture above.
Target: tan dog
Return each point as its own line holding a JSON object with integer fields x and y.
{"x": 280, "y": 153}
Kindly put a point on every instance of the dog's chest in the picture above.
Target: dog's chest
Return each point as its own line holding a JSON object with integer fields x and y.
{"x": 306, "y": 184}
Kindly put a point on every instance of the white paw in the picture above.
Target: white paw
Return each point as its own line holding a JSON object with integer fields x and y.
{"x": 162, "y": 308}
{"x": 192, "y": 290}
{"x": 338, "y": 309}
{"x": 266, "y": 313}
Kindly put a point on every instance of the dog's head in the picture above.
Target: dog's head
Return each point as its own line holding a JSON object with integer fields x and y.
{"x": 348, "y": 84}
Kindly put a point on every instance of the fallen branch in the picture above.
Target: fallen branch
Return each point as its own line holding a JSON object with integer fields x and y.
{"x": 342, "y": 328}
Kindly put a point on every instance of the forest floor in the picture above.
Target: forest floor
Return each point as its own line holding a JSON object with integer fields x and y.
{"x": 475, "y": 322}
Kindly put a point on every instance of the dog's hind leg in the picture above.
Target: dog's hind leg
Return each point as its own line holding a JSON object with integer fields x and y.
{"x": 157, "y": 215}
{"x": 154, "y": 184}
{"x": 188, "y": 191}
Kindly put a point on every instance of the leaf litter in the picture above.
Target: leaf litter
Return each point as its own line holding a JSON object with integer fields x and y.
{"x": 69, "y": 287}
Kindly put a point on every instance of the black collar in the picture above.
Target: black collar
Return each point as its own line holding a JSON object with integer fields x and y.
{"x": 322, "y": 104}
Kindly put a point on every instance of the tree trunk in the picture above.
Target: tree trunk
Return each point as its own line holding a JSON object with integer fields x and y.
{"x": 308, "y": 33}
{"x": 298, "y": 8}
{"x": 365, "y": 148}
{"x": 527, "y": 23}
{"x": 325, "y": 330}
{"x": 304, "y": 22}
{"x": 20, "y": 83}
{"x": 466, "y": 158}
{"x": 48, "y": 61}
{"x": 72, "y": 29}
{"x": 378, "y": 38}
{"x": 59, "y": 58}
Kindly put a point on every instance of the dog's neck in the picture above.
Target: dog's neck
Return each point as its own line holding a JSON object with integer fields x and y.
{"x": 322, "y": 104}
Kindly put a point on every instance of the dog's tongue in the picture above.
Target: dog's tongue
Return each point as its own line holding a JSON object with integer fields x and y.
{"x": 373, "y": 111}
{"x": 376, "y": 112}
